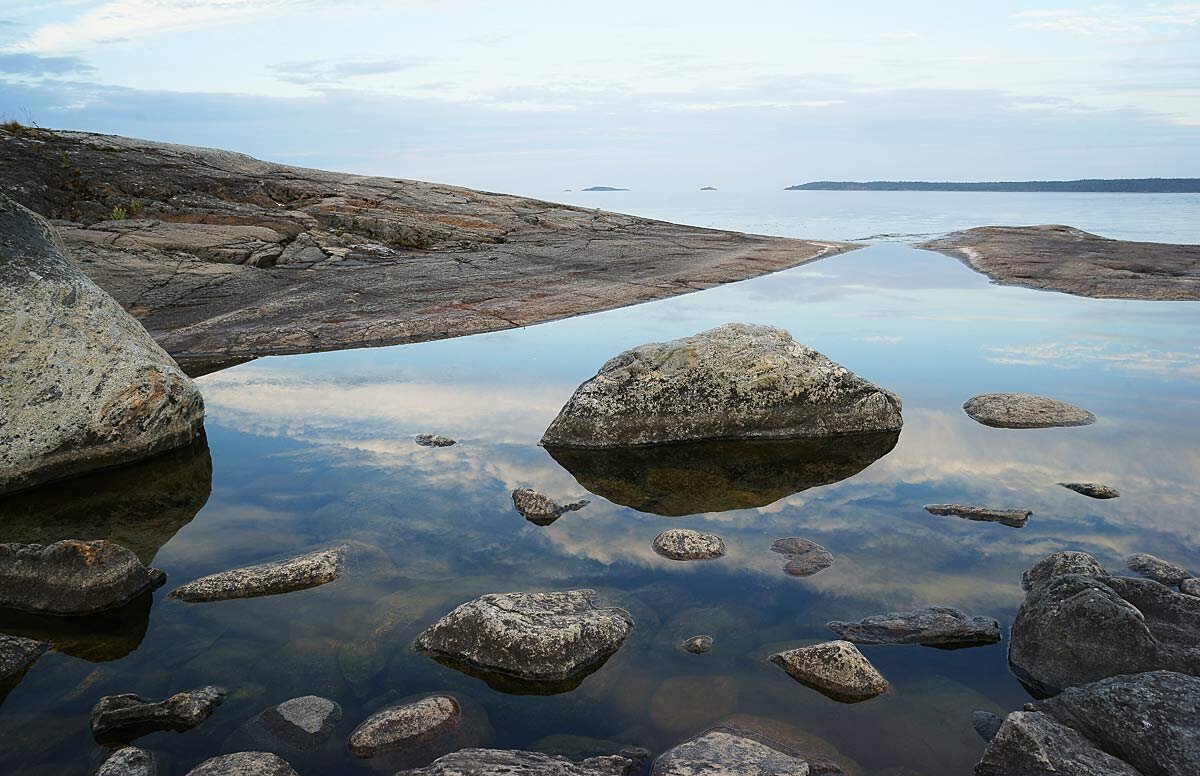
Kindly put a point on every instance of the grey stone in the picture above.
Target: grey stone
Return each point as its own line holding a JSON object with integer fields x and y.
{"x": 835, "y": 668}
{"x": 534, "y": 637}
{"x": 126, "y": 717}
{"x": 1092, "y": 489}
{"x": 302, "y": 723}
{"x": 1023, "y": 410}
{"x": 728, "y": 752}
{"x": 1156, "y": 568}
{"x": 1059, "y": 563}
{"x": 698, "y": 645}
{"x": 986, "y": 723}
{"x": 1013, "y": 518}
{"x": 72, "y": 577}
{"x": 129, "y": 761}
{"x": 932, "y": 626}
{"x": 405, "y": 726}
{"x": 431, "y": 440}
{"x": 244, "y": 764}
{"x": 805, "y": 557}
{"x": 737, "y": 381}
{"x": 284, "y": 576}
{"x": 1033, "y": 744}
{"x": 17, "y": 654}
{"x": 85, "y": 387}
{"x": 1190, "y": 587}
{"x": 686, "y": 544}
{"x": 539, "y": 509}
{"x": 492, "y": 762}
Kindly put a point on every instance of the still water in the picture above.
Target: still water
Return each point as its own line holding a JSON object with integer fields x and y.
{"x": 304, "y": 452}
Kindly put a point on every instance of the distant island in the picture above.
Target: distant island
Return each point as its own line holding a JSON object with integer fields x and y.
{"x": 709, "y": 188}
{"x": 1115, "y": 185}
{"x": 603, "y": 188}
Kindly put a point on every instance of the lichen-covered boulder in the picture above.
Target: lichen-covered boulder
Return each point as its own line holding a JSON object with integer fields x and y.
{"x": 511, "y": 762}
{"x": 72, "y": 577}
{"x": 737, "y": 381}
{"x": 283, "y": 576}
{"x": 244, "y": 764}
{"x": 729, "y": 753}
{"x": 933, "y": 626}
{"x": 85, "y": 387}
{"x": 1033, "y": 744}
{"x": 835, "y": 668}
{"x": 686, "y": 544}
{"x": 404, "y": 726}
{"x": 1023, "y": 410}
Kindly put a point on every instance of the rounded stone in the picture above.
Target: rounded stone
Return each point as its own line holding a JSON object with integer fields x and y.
{"x": 834, "y": 668}
{"x": 404, "y": 726}
{"x": 1059, "y": 563}
{"x": 129, "y": 761}
{"x": 1023, "y": 410}
{"x": 72, "y": 577}
{"x": 805, "y": 557}
{"x": 244, "y": 764}
{"x": 698, "y": 645}
{"x": 1190, "y": 586}
{"x": 1157, "y": 569}
{"x": 686, "y": 544}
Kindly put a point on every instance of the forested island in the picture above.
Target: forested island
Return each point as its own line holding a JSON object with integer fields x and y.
{"x": 1105, "y": 185}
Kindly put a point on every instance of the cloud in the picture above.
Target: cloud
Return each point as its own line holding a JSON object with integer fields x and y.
{"x": 1108, "y": 21}
{"x": 337, "y": 71}
{"x": 36, "y": 65}
{"x": 1110, "y": 355}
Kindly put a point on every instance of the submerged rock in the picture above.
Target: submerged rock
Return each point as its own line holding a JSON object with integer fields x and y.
{"x": 835, "y": 668}
{"x": 932, "y": 626}
{"x": 541, "y": 510}
{"x": 431, "y": 440}
{"x": 686, "y": 544}
{"x": 300, "y": 724}
{"x": 730, "y": 752}
{"x": 1032, "y": 744}
{"x": 1092, "y": 489}
{"x": 1013, "y": 518}
{"x": 283, "y": 576}
{"x": 986, "y": 723}
{"x": 491, "y": 762}
{"x": 404, "y": 726}
{"x": 1156, "y": 568}
{"x": 72, "y": 577}
{"x": 128, "y": 716}
{"x": 244, "y": 764}
{"x": 129, "y": 761}
{"x": 805, "y": 557}
{"x": 1023, "y": 410}
{"x": 698, "y": 645}
{"x": 737, "y": 381}
{"x": 1059, "y": 563}
{"x": 535, "y": 637}
{"x": 17, "y": 654}
{"x": 85, "y": 387}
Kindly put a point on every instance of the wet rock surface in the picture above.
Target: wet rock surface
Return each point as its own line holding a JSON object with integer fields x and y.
{"x": 17, "y": 654}
{"x": 1013, "y": 518}
{"x": 835, "y": 668}
{"x": 1031, "y": 744}
{"x": 434, "y": 440}
{"x": 72, "y": 577}
{"x": 1190, "y": 587}
{"x": 404, "y": 726}
{"x": 697, "y": 645}
{"x": 553, "y": 639}
{"x": 1157, "y": 569}
{"x": 490, "y": 762}
{"x": 244, "y": 764}
{"x": 128, "y": 716}
{"x": 737, "y": 381}
{"x": 85, "y": 387}
{"x": 933, "y": 626}
{"x": 129, "y": 761}
{"x": 1023, "y": 410}
{"x": 986, "y": 723}
{"x": 284, "y": 576}
{"x": 1092, "y": 489}
{"x": 1059, "y": 563}
{"x": 686, "y": 544}
{"x": 730, "y": 752}
{"x": 542, "y": 510}
{"x": 805, "y": 557}
{"x": 1062, "y": 258}
{"x": 300, "y": 724}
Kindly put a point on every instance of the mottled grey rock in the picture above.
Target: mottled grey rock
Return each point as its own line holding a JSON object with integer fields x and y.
{"x": 283, "y": 576}
{"x": 302, "y": 723}
{"x": 1092, "y": 489}
{"x": 1156, "y": 568}
{"x": 129, "y": 761}
{"x": 933, "y": 626}
{"x": 686, "y": 544}
{"x": 540, "y": 637}
{"x": 986, "y": 723}
{"x": 404, "y": 726}
{"x": 72, "y": 577}
{"x": 1033, "y": 744}
{"x": 85, "y": 387}
{"x": 493, "y": 762}
{"x": 736, "y": 381}
{"x": 1190, "y": 586}
{"x": 835, "y": 668}
{"x": 1058, "y": 564}
{"x": 805, "y": 557}
{"x": 726, "y": 752}
{"x": 1014, "y": 518}
{"x": 431, "y": 440}
{"x": 539, "y": 509}
{"x": 128, "y": 716}
{"x": 698, "y": 645}
{"x": 1023, "y": 410}
{"x": 244, "y": 764}
{"x": 17, "y": 654}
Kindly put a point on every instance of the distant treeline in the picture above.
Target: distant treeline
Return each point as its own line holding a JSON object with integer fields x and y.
{"x": 1126, "y": 185}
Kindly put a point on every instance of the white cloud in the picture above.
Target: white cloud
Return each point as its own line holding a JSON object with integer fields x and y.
{"x": 1108, "y": 21}
{"x": 1106, "y": 354}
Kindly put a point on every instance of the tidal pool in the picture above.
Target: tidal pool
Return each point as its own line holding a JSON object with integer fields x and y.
{"x": 304, "y": 452}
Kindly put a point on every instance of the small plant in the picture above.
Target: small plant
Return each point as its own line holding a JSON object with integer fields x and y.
{"x": 63, "y": 160}
{"x": 118, "y": 213}
{"x": 135, "y": 208}
{"x": 14, "y": 127}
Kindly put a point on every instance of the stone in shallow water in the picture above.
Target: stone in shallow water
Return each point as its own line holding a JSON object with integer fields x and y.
{"x": 1156, "y": 568}
{"x": 129, "y": 761}
{"x": 1023, "y": 410}
{"x": 126, "y": 717}
{"x": 302, "y": 723}
{"x": 548, "y": 638}
{"x": 805, "y": 557}
{"x": 511, "y": 762}
{"x": 244, "y": 764}
{"x": 284, "y": 576}
{"x": 729, "y": 752}
{"x": 986, "y": 723}
{"x": 932, "y": 626}
{"x": 835, "y": 668}
{"x": 686, "y": 544}
{"x": 404, "y": 726}
{"x": 1014, "y": 518}
{"x": 539, "y": 509}
{"x": 432, "y": 440}
{"x": 72, "y": 577}
{"x": 1093, "y": 489}
{"x": 1059, "y": 563}
{"x": 1190, "y": 586}
{"x": 737, "y": 381}
{"x": 1031, "y": 744}
{"x": 698, "y": 645}
{"x": 17, "y": 654}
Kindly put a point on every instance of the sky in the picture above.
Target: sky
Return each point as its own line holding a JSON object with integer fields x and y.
{"x": 532, "y": 96}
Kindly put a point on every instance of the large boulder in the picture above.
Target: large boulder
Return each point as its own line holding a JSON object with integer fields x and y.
{"x": 1033, "y": 744}
{"x": 1023, "y": 410}
{"x": 730, "y": 752}
{"x": 511, "y": 762}
{"x": 72, "y": 577}
{"x": 737, "y": 381}
{"x": 85, "y": 387}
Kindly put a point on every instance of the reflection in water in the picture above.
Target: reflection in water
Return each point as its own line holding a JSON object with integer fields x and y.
{"x": 698, "y": 477}
{"x": 515, "y": 685}
{"x": 97, "y": 638}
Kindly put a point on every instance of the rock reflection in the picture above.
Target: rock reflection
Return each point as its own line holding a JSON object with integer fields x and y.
{"x": 97, "y": 638}
{"x": 692, "y": 478}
